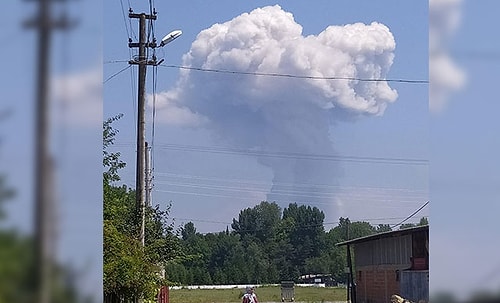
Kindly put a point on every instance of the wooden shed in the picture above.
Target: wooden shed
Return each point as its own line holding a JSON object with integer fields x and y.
{"x": 394, "y": 262}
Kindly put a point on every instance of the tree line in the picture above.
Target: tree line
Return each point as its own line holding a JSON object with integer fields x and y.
{"x": 265, "y": 244}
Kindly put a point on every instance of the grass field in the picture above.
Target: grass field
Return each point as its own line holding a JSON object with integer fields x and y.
{"x": 264, "y": 294}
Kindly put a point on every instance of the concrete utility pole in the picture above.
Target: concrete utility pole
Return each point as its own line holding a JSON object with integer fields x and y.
{"x": 44, "y": 174}
{"x": 142, "y": 61}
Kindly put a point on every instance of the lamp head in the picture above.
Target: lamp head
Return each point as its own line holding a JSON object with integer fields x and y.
{"x": 170, "y": 37}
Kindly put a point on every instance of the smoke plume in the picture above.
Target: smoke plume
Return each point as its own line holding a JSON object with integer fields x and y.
{"x": 287, "y": 115}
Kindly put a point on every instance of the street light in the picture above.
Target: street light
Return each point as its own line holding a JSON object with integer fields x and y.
{"x": 170, "y": 37}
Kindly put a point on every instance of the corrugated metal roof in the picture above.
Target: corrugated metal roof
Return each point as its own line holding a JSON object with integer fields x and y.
{"x": 387, "y": 234}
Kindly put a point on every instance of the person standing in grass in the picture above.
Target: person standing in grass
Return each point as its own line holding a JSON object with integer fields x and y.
{"x": 250, "y": 296}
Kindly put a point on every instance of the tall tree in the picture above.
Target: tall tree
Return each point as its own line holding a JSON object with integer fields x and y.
{"x": 306, "y": 236}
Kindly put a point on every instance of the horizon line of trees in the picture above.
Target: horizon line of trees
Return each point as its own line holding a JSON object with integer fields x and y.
{"x": 268, "y": 245}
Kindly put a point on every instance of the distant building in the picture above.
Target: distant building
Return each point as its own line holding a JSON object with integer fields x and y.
{"x": 395, "y": 262}
{"x": 326, "y": 279}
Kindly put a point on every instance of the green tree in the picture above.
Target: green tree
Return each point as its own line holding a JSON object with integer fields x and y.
{"x": 127, "y": 271}
{"x": 407, "y": 225}
{"x": 188, "y": 231}
{"x": 345, "y": 230}
{"x": 383, "y": 228}
{"x": 423, "y": 221}
{"x": 260, "y": 221}
{"x": 197, "y": 258}
{"x": 131, "y": 269}
{"x": 335, "y": 256}
{"x": 305, "y": 236}
{"x": 111, "y": 160}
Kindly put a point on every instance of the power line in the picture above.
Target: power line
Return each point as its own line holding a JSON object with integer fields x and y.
{"x": 413, "y": 214}
{"x": 294, "y": 76}
{"x": 305, "y": 193}
{"x": 153, "y": 126}
{"x": 284, "y": 186}
{"x": 389, "y": 203}
{"x": 124, "y": 18}
{"x": 306, "y": 156}
{"x": 130, "y": 21}
{"x": 117, "y": 73}
{"x": 257, "y": 183}
{"x": 223, "y": 71}
{"x": 234, "y": 187}
{"x": 129, "y": 36}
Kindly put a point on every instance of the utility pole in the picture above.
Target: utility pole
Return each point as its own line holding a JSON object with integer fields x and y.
{"x": 44, "y": 208}
{"x": 142, "y": 61}
{"x": 143, "y": 178}
{"x": 348, "y": 269}
{"x": 351, "y": 285}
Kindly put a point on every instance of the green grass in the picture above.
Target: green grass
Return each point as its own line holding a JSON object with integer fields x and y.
{"x": 264, "y": 294}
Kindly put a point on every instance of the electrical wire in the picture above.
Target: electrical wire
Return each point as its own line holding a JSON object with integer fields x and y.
{"x": 257, "y": 183}
{"x": 289, "y": 155}
{"x": 130, "y": 33}
{"x": 129, "y": 36}
{"x": 386, "y": 202}
{"x": 151, "y": 34}
{"x": 389, "y": 204}
{"x": 238, "y": 189}
{"x": 306, "y": 156}
{"x": 215, "y": 187}
{"x": 293, "y": 191}
{"x": 130, "y": 21}
{"x": 409, "y": 81}
{"x": 410, "y": 216}
{"x": 116, "y": 74}
{"x": 125, "y": 19}
{"x": 153, "y": 127}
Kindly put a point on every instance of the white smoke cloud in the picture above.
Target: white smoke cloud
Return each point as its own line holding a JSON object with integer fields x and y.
{"x": 444, "y": 75}
{"x": 282, "y": 114}
{"x": 268, "y": 40}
